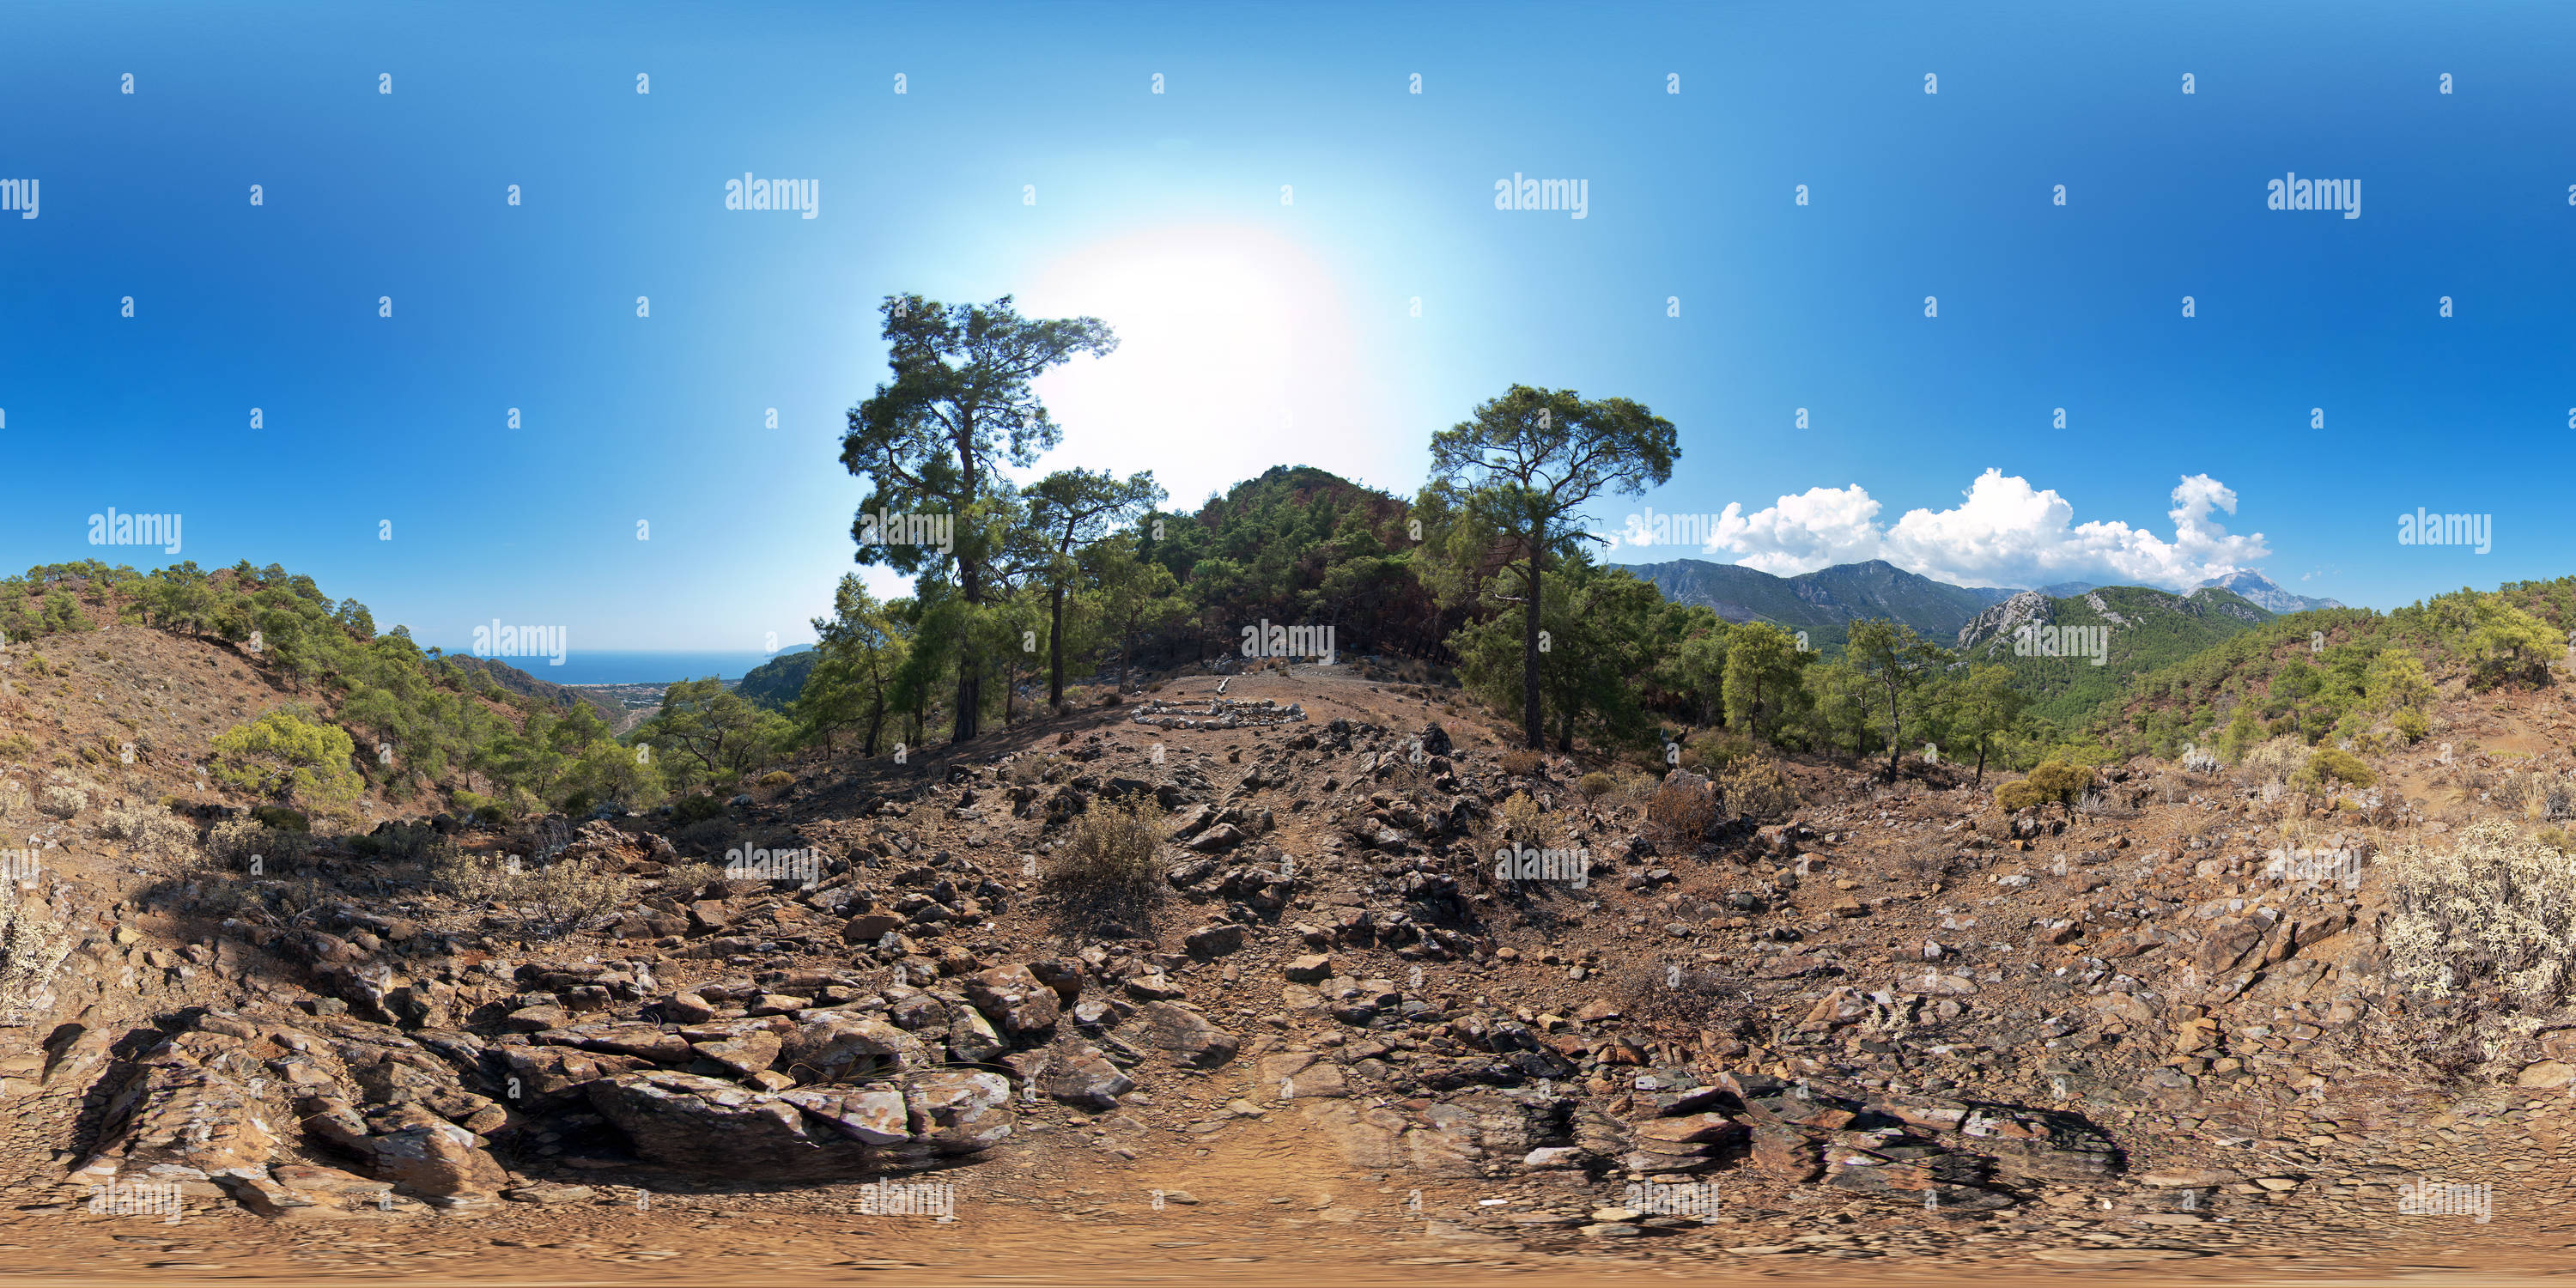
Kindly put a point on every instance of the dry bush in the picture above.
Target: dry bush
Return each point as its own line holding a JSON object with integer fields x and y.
{"x": 566, "y": 896}
{"x": 32, "y": 945}
{"x": 2281, "y": 758}
{"x": 555, "y": 899}
{"x": 150, "y": 831}
{"x": 474, "y": 878}
{"x": 1756, "y": 788}
{"x": 1523, "y": 763}
{"x": 1108, "y": 863}
{"x": 1521, "y": 820}
{"x": 2200, "y": 760}
{"x": 2494, "y": 909}
{"x": 237, "y": 842}
{"x": 695, "y": 875}
{"x": 1596, "y": 785}
{"x": 62, "y": 802}
{"x": 1686, "y": 808}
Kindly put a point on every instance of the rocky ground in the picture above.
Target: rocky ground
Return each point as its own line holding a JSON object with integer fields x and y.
{"x": 1897, "y": 1027}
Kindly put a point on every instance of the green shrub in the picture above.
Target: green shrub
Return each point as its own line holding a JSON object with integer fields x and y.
{"x": 2411, "y": 725}
{"x": 288, "y": 759}
{"x": 281, "y": 819}
{"x": 2053, "y": 782}
{"x": 690, "y": 810}
{"x": 2327, "y": 766}
{"x": 1596, "y": 784}
{"x": 777, "y": 778}
{"x": 1713, "y": 751}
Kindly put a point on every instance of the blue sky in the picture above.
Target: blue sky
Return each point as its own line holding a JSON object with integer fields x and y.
{"x": 1266, "y": 327}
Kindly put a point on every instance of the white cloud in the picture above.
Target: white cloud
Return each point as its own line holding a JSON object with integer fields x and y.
{"x": 2003, "y": 532}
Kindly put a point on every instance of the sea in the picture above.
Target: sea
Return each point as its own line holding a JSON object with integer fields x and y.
{"x": 612, "y": 666}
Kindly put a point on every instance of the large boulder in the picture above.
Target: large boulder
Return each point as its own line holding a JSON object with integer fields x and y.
{"x": 439, "y": 1160}
{"x": 960, "y": 1111}
{"x": 1014, "y": 999}
{"x": 1187, "y": 1035}
{"x": 714, "y": 1128}
{"x": 837, "y": 1046}
{"x": 872, "y": 1117}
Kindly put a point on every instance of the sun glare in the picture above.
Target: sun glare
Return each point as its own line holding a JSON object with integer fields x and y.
{"x": 1232, "y": 348}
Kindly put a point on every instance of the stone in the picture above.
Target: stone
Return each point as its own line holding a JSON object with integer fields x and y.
{"x": 876, "y": 1117}
{"x": 441, "y": 1160}
{"x": 1154, "y": 986}
{"x": 1213, "y": 941}
{"x": 2547, "y": 1075}
{"x": 535, "y": 1019}
{"x": 971, "y": 1038}
{"x": 961, "y": 1111}
{"x": 748, "y": 1054}
{"x": 838, "y": 1046}
{"x": 1086, "y": 1080}
{"x": 1313, "y": 968}
{"x": 1187, "y": 1035}
{"x": 1689, "y": 1129}
{"x": 1019, "y": 1006}
{"x": 632, "y": 1038}
{"x": 1060, "y": 974}
{"x": 869, "y": 927}
{"x": 550, "y": 1193}
{"x": 709, "y": 1126}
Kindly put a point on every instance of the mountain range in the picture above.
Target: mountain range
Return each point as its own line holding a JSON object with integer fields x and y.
{"x": 2263, "y": 593}
{"x": 1824, "y": 602}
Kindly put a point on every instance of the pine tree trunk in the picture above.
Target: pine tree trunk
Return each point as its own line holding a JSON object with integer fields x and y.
{"x": 1055, "y": 647}
{"x": 1531, "y": 725}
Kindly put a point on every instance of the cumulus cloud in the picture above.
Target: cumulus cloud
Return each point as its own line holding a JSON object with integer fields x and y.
{"x": 2003, "y": 532}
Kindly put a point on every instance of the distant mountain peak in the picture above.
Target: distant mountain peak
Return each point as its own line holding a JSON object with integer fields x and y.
{"x": 2264, "y": 593}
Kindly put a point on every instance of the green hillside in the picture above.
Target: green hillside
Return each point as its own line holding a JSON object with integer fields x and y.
{"x": 2141, "y": 630}
{"x": 775, "y": 683}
